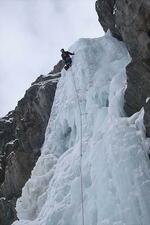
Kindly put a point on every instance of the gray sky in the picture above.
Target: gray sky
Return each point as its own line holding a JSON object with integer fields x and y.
{"x": 32, "y": 32}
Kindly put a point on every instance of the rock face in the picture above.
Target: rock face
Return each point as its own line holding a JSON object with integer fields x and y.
{"x": 21, "y": 137}
{"x": 129, "y": 20}
{"x": 106, "y": 14}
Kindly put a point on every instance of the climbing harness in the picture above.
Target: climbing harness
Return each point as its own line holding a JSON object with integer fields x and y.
{"x": 81, "y": 148}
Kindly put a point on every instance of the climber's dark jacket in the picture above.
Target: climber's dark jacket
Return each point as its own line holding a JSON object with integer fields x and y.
{"x": 66, "y": 56}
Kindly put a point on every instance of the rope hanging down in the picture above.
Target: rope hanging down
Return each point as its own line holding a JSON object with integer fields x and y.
{"x": 81, "y": 148}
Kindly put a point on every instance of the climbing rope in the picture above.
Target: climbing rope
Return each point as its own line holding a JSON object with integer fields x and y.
{"x": 81, "y": 148}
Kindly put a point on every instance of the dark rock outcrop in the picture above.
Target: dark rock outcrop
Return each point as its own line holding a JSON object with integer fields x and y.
{"x": 147, "y": 118}
{"x": 57, "y": 68}
{"x": 7, "y": 211}
{"x": 107, "y": 15}
{"x": 138, "y": 89}
{"x": 129, "y": 20}
{"x": 22, "y": 134}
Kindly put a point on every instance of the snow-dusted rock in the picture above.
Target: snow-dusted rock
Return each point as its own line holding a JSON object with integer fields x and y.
{"x": 22, "y": 133}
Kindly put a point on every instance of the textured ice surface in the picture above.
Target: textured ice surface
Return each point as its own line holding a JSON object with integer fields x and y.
{"x": 116, "y": 173}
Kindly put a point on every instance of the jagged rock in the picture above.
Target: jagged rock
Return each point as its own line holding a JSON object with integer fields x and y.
{"x": 22, "y": 134}
{"x": 2, "y": 168}
{"x": 57, "y": 68}
{"x": 147, "y": 118}
{"x": 32, "y": 114}
{"x": 133, "y": 22}
{"x": 107, "y": 16}
{"x": 7, "y": 130}
{"x": 130, "y": 21}
{"x": 18, "y": 168}
{"x": 138, "y": 75}
{"x": 7, "y": 211}
{"x": 55, "y": 71}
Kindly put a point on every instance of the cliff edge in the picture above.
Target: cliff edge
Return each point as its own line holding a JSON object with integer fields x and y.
{"x": 22, "y": 133}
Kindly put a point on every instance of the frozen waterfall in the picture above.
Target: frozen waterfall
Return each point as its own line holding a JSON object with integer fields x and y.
{"x": 116, "y": 167}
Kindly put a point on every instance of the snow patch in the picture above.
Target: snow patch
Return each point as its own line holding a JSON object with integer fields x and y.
{"x": 147, "y": 99}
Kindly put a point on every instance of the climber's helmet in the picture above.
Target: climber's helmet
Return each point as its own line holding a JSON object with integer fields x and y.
{"x": 62, "y": 50}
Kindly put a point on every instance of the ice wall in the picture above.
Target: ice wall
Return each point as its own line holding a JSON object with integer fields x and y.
{"x": 116, "y": 173}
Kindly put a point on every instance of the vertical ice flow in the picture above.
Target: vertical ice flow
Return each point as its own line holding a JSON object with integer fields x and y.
{"x": 116, "y": 172}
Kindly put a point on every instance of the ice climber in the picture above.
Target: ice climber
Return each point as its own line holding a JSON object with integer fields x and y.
{"x": 66, "y": 58}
